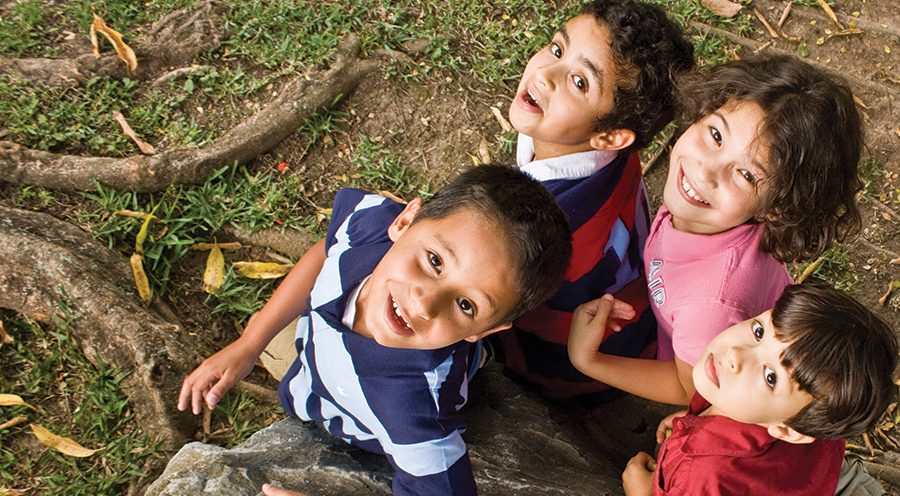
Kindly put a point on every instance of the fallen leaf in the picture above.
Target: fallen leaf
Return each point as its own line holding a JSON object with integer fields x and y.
{"x": 13, "y": 422}
{"x": 504, "y": 124}
{"x": 142, "y": 234}
{"x": 323, "y": 214}
{"x": 214, "y": 275}
{"x": 64, "y": 445}
{"x": 136, "y": 215}
{"x": 262, "y": 270}
{"x": 484, "y": 152}
{"x": 5, "y": 338}
{"x": 12, "y": 400}
{"x": 140, "y": 278}
{"x": 722, "y": 8}
{"x": 810, "y": 269}
{"x": 222, "y": 246}
{"x": 123, "y": 51}
{"x": 143, "y": 146}
{"x": 390, "y": 196}
{"x": 9, "y": 492}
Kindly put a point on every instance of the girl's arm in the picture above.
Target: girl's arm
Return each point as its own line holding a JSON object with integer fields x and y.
{"x": 662, "y": 381}
{"x": 220, "y": 372}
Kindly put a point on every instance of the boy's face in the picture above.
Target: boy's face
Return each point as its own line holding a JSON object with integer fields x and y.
{"x": 443, "y": 280}
{"x": 715, "y": 171}
{"x": 566, "y": 87}
{"x": 741, "y": 375}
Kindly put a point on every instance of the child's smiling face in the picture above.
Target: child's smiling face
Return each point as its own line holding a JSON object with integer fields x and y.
{"x": 566, "y": 87}
{"x": 444, "y": 280}
{"x": 716, "y": 171}
{"x": 741, "y": 375}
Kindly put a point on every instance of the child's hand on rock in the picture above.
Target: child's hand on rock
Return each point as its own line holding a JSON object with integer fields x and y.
{"x": 637, "y": 480}
{"x": 270, "y": 490}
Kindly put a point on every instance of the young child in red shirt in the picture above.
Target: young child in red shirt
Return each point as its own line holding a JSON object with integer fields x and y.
{"x": 775, "y": 397}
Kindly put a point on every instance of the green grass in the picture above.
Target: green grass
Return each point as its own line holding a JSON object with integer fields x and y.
{"x": 380, "y": 169}
{"x": 73, "y": 398}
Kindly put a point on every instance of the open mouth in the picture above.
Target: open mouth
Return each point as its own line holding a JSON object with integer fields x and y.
{"x": 530, "y": 100}
{"x": 711, "y": 372}
{"x": 399, "y": 324}
{"x": 688, "y": 191}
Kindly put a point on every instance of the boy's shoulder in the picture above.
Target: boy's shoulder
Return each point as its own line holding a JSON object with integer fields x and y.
{"x": 371, "y": 214}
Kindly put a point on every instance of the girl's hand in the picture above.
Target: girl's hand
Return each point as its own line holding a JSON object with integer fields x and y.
{"x": 270, "y": 490}
{"x": 665, "y": 426}
{"x": 589, "y": 323}
{"x": 216, "y": 375}
{"x": 637, "y": 480}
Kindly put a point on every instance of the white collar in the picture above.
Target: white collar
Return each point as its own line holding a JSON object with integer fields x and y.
{"x": 571, "y": 166}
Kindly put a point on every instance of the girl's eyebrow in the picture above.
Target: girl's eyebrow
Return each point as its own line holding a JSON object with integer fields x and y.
{"x": 724, "y": 121}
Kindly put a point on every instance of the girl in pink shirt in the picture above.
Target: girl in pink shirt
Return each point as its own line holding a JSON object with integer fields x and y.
{"x": 765, "y": 174}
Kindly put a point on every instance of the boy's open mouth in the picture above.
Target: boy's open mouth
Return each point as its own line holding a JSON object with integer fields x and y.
{"x": 687, "y": 190}
{"x": 711, "y": 369}
{"x": 400, "y": 325}
{"x": 530, "y": 100}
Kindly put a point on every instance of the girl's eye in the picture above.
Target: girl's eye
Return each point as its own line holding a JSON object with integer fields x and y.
{"x": 758, "y": 331}
{"x": 580, "y": 83}
{"x": 747, "y": 175}
{"x": 466, "y": 306}
{"x": 555, "y": 50}
{"x": 770, "y": 376}
{"x": 435, "y": 261}
{"x": 716, "y": 135}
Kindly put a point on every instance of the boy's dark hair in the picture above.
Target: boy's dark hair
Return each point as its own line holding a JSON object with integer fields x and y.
{"x": 527, "y": 219}
{"x": 840, "y": 353}
{"x": 649, "y": 51}
{"x": 814, "y": 136}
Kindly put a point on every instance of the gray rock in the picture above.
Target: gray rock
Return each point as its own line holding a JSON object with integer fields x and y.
{"x": 519, "y": 444}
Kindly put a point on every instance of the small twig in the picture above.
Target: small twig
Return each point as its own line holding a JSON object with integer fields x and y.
{"x": 772, "y": 32}
{"x": 13, "y": 422}
{"x": 894, "y": 256}
{"x": 257, "y": 392}
{"x": 762, "y": 47}
{"x": 810, "y": 269}
{"x": 784, "y": 15}
{"x": 887, "y": 294}
{"x": 177, "y": 73}
{"x": 651, "y": 162}
{"x": 207, "y": 420}
{"x": 830, "y": 13}
{"x": 868, "y": 443}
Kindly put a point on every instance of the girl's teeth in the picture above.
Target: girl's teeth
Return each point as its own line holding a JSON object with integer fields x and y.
{"x": 690, "y": 191}
{"x": 529, "y": 98}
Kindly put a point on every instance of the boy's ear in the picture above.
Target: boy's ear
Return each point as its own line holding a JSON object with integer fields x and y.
{"x": 612, "y": 140}
{"x": 502, "y": 327}
{"x": 404, "y": 219}
{"x": 786, "y": 434}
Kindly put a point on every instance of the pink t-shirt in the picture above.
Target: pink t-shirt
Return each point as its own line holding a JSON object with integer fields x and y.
{"x": 701, "y": 284}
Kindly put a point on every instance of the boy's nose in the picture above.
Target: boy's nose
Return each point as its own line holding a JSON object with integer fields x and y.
{"x": 425, "y": 302}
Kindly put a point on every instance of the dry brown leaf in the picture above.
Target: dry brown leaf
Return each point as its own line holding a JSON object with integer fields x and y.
{"x": 214, "y": 275}
{"x": 140, "y": 278}
{"x": 390, "y": 196}
{"x": 262, "y": 270}
{"x": 484, "y": 152}
{"x": 504, "y": 124}
{"x": 123, "y": 51}
{"x": 143, "y": 146}
{"x": 64, "y": 445}
{"x": 13, "y": 422}
{"x": 9, "y": 492}
{"x": 722, "y": 8}
{"x": 5, "y": 338}
{"x": 222, "y": 246}
{"x": 12, "y": 400}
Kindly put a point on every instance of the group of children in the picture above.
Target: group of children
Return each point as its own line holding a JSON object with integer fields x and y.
{"x": 558, "y": 262}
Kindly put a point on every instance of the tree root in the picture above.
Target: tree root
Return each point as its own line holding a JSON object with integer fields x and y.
{"x": 258, "y": 134}
{"x": 174, "y": 40}
{"x": 49, "y": 268}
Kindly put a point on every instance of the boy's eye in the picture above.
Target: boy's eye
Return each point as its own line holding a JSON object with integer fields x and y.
{"x": 580, "y": 83}
{"x": 716, "y": 135}
{"x": 466, "y": 306}
{"x": 770, "y": 376}
{"x": 747, "y": 175}
{"x": 435, "y": 261}
{"x": 758, "y": 331}
{"x": 555, "y": 50}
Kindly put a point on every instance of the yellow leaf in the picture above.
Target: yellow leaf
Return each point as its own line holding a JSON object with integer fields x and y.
{"x": 140, "y": 278}
{"x": 142, "y": 234}
{"x": 9, "y": 492}
{"x": 12, "y": 423}
{"x": 214, "y": 275}
{"x": 123, "y": 51}
{"x": 64, "y": 445}
{"x": 11, "y": 400}
{"x": 222, "y": 246}
{"x": 262, "y": 270}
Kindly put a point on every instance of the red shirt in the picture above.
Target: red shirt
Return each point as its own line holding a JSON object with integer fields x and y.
{"x": 714, "y": 455}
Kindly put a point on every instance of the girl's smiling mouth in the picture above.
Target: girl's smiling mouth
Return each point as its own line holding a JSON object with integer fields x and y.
{"x": 688, "y": 192}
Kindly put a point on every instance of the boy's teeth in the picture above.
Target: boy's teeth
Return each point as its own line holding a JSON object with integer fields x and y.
{"x": 690, "y": 191}
{"x": 530, "y": 98}
{"x": 397, "y": 312}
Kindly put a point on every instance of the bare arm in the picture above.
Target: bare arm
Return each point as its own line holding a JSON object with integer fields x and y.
{"x": 220, "y": 372}
{"x": 662, "y": 381}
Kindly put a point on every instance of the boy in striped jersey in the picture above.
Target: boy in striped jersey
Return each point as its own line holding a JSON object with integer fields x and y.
{"x": 392, "y": 305}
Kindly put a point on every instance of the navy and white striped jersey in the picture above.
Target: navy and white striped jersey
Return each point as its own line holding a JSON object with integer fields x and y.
{"x": 402, "y": 403}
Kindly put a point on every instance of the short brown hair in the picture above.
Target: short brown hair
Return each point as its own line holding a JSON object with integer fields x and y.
{"x": 840, "y": 353}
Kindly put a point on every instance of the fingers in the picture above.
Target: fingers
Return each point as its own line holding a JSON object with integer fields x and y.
{"x": 642, "y": 460}
{"x": 270, "y": 490}
{"x": 218, "y": 391}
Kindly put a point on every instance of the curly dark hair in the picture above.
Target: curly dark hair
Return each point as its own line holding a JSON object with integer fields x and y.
{"x": 526, "y": 218}
{"x": 650, "y": 51}
{"x": 840, "y": 353}
{"x": 814, "y": 135}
